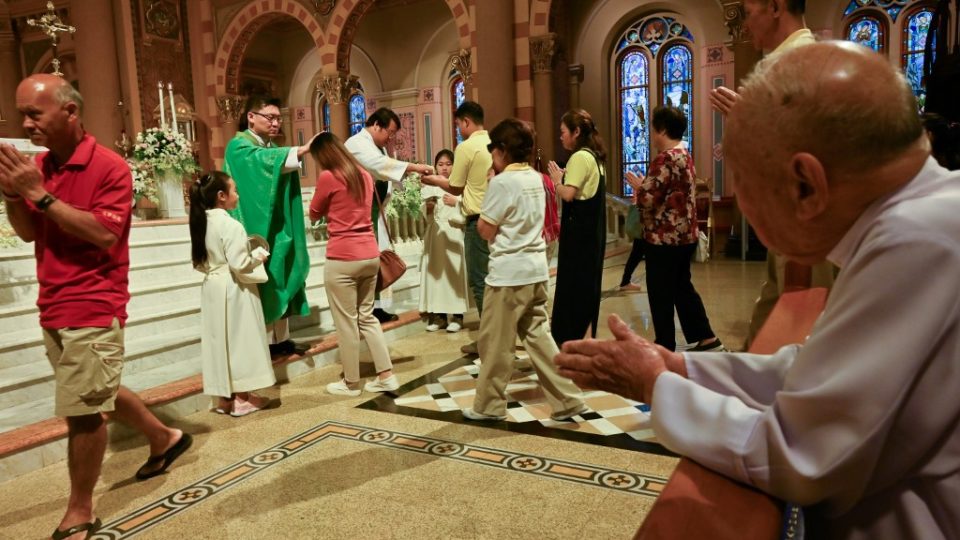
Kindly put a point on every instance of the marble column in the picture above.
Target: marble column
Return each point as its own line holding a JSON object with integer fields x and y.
{"x": 337, "y": 89}
{"x": 745, "y": 57}
{"x": 575, "y": 79}
{"x": 229, "y": 109}
{"x": 9, "y": 79}
{"x": 542, "y": 53}
{"x": 463, "y": 64}
{"x": 97, "y": 73}
{"x": 495, "y": 60}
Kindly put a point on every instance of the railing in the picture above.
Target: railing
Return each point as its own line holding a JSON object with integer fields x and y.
{"x": 411, "y": 229}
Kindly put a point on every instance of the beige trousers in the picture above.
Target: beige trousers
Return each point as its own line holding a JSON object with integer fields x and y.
{"x": 508, "y": 313}
{"x": 350, "y": 286}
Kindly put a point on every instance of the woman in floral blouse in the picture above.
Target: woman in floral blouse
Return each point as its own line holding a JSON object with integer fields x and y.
{"x": 668, "y": 209}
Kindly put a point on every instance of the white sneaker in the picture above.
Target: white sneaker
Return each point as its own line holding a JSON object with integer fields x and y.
{"x": 471, "y": 414}
{"x": 382, "y": 385}
{"x": 433, "y": 327}
{"x": 340, "y": 388}
{"x": 454, "y": 327}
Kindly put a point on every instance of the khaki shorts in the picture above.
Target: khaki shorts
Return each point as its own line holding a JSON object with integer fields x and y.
{"x": 86, "y": 365}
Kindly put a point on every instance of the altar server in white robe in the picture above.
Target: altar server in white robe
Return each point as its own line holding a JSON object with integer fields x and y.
{"x": 233, "y": 345}
{"x": 443, "y": 267}
{"x": 860, "y": 424}
{"x": 369, "y": 146}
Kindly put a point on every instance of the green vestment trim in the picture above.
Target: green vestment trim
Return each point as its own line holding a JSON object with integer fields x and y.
{"x": 271, "y": 205}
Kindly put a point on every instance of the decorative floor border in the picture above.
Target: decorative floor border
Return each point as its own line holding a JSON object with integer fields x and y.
{"x": 386, "y": 402}
{"x": 187, "y": 497}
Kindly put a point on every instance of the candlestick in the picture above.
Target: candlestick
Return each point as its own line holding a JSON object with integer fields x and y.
{"x": 173, "y": 109}
{"x": 163, "y": 118}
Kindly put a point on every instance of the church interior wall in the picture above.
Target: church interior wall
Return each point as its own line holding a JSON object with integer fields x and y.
{"x": 601, "y": 25}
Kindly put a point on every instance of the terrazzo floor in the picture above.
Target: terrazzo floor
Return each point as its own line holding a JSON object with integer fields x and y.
{"x": 322, "y": 466}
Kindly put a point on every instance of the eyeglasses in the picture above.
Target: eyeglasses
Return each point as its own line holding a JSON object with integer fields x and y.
{"x": 271, "y": 118}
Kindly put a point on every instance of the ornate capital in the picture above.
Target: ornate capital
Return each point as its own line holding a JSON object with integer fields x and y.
{"x": 576, "y": 73}
{"x": 337, "y": 88}
{"x": 461, "y": 63}
{"x": 229, "y": 108}
{"x": 543, "y": 50}
{"x": 733, "y": 19}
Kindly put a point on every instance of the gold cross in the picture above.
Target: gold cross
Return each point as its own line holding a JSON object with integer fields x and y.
{"x": 51, "y": 25}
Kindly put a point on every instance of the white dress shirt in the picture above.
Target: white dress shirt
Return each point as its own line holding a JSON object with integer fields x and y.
{"x": 864, "y": 419}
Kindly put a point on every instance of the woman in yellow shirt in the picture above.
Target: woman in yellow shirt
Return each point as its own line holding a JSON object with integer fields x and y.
{"x": 582, "y": 187}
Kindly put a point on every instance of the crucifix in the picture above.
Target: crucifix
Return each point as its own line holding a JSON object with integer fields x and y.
{"x": 51, "y": 25}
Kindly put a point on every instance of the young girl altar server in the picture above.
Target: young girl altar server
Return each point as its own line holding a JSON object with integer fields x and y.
{"x": 443, "y": 267}
{"x": 233, "y": 345}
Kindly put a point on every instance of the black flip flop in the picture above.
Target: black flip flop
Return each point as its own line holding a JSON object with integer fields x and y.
{"x": 91, "y": 528}
{"x": 167, "y": 458}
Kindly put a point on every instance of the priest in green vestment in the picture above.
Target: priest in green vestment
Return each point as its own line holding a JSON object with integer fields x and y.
{"x": 268, "y": 181}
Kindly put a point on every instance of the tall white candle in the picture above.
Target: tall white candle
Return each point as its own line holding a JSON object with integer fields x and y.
{"x": 163, "y": 118}
{"x": 173, "y": 109}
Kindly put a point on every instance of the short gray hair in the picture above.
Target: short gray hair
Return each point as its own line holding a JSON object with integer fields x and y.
{"x": 853, "y": 126}
{"x": 66, "y": 93}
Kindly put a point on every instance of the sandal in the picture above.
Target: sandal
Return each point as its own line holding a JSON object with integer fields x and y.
{"x": 167, "y": 458}
{"x": 90, "y": 527}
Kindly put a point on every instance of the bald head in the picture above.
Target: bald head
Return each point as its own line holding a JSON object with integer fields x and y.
{"x": 51, "y": 112}
{"x": 838, "y": 101}
{"x": 45, "y": 85}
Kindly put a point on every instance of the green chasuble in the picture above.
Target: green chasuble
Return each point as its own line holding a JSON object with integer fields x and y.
{"x": 271, "y": 205}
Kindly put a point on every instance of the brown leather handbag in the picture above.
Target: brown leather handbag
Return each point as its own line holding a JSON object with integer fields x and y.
{"x": 391, "y": 265}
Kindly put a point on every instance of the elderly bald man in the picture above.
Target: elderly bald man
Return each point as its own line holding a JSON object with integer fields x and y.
{"x": 74, "y": 203}
{"x": 861, "y": 422}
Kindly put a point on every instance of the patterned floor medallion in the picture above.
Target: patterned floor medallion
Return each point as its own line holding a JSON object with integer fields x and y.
{"x": 442, "y": 394}
{"x": 187, "y": 497}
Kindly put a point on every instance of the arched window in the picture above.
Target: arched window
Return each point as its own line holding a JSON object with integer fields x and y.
{"x": 668, "y": 42}
{"x": 358, "y": 113}
{"x": 634, "y": 111}
{"x": 870, "y": 22}
{"x": 457, "y": 97}
{"x": 869, "y": 31}
{"x": 326, "y": 115}
{"x": 676, "y": 72}
{"x": 915, "y": 28}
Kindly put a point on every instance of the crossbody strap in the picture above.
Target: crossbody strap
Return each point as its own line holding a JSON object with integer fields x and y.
{"x": 384, "y": 216}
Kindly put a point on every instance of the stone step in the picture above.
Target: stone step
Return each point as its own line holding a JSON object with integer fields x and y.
{"x": 152, "y": 341}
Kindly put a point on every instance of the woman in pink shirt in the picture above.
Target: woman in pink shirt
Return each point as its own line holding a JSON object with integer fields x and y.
{"x": 344, "y": 195}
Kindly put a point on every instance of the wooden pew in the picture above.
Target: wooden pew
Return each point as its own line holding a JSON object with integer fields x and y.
{"x": 699, "y": 503}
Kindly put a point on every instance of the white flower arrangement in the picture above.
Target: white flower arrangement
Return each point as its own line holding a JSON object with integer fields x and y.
{"x": 144, "y": 185}
{"x": 156, "y": 152}
{"x": 8, "y": 238}
{"x": 406, "y": 201}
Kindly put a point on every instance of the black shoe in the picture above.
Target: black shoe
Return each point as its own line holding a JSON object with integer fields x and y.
{"x": 284, "y": 347}
{"x": 383, "y": 316}
{"x": 713, "y": 346}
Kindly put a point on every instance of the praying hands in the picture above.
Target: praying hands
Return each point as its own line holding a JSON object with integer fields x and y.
{"x": 627, "y": 365}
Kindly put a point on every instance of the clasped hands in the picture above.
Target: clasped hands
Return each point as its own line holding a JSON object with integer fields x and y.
{"x": 19, "y": 174}
{"x": 555, "y": 172}
{"x": 627, "y": 365}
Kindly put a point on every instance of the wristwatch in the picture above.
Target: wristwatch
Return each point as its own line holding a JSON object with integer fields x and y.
{"x": 45, "y": 202}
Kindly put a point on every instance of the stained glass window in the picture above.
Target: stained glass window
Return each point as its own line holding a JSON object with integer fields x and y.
{"x": 358, "y": 113}
{"x": 458, "y": 95}
{"x": 634, "y": 115}
{"x": 326, "y": 115}
{"x": 892, "y": 7}
{"x": 867, "y": 31}
{"x": 676, "y": 72}
{"x": 914, "y": 40}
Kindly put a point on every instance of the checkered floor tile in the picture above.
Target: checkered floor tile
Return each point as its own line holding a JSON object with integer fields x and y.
{"x": 608, "y": 415}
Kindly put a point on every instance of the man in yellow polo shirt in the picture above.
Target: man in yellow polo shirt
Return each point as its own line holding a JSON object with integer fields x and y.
{"x": 776, "y": 26}
{"x": 471, "y": 162}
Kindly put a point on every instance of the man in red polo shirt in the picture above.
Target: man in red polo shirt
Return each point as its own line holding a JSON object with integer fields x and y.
{"x": 74, "y": 203}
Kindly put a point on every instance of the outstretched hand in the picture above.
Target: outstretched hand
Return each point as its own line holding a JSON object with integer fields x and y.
{"x": 635, "y": 181}
{"x": 627, "y": 365}
{"x": 723, "y": 99}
